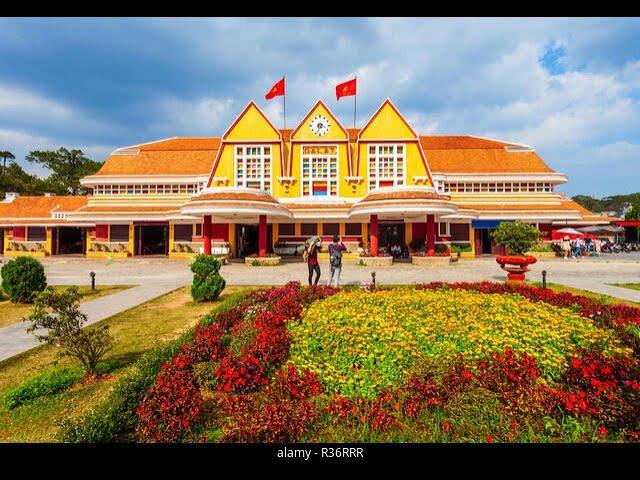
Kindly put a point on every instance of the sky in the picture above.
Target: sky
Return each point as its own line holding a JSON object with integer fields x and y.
{"x": 568, "y": 87}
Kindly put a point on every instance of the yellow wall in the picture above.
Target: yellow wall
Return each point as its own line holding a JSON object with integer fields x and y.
{"x": 172, "y": 229}
{"x": 232, "y": 239}
{"x": 48, "y": 240}
{"x": 386, "y": 124}
{"x": 132, "y": 233}
{"x": 253, "y": 126}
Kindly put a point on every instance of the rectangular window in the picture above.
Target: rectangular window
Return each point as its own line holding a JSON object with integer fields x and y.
{"x": 253, "y": 167}
{"x": 459, "y": 232}
{"x": 119, "y": 233}
{"x": 308, "y": 229}
{"x": 197, "y": 230}
{"x": 386, "y": 165}
{"x": 319, "y": 171}
{"x": 443, "y": 229}
{"x": 182, "y": 233}
{"x": 353, "y": 229}
{"x": 36, "y": 234}
{"x": 287, "y": 229}
{"x": 331, "y": 229}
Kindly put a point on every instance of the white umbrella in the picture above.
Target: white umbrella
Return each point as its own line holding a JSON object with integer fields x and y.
{"x": 569, "y": 231}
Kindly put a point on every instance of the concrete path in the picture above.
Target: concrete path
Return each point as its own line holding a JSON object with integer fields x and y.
{"x": 14, "y": 339}
{"x": 157, "y": 276}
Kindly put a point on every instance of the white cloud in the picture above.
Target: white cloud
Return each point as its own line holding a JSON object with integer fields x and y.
{"x": 179, "y": 117}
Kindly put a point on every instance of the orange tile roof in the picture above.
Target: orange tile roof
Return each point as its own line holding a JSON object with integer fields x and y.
{"x": 181, "y": 144}
{"x": 257, "y": 196}
{"x": 404, "y": 195}
{"x": 455, "y": 142}
{"x": 40, "y": 207}
{"x": 484, "y": 160}
{"x": 173, "y": 156}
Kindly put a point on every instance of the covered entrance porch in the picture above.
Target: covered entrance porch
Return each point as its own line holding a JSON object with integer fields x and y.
{"x": 391, "y": 211}
{"x": 248, "y": 209}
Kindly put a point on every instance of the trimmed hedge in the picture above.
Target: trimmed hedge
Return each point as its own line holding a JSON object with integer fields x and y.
{"x": 109, "y": 420}
{"x": 48, "y": 383}
{"x": 207, "y": 281}
{"x": 23, "y": 278}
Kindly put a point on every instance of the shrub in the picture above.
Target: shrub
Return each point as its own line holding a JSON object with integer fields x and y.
{"x": 45, "y": 384}
{"x": 116, "y": 414}
{"x": 518, "y": 237}
{"x": 64, "y": 323}
{"x": 23, "y": 278}
{"x": 460, "y": 247}
{"x": 207, "y": 281}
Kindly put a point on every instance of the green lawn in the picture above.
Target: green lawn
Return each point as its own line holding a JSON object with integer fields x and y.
{"x": 576, "y": 291}
{"x": 135, "y": 331}
{"x": 15, "y": 312}
{"x": 632, "y": 286}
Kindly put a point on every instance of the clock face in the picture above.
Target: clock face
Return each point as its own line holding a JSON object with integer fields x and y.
{"x": 320, "y": 125}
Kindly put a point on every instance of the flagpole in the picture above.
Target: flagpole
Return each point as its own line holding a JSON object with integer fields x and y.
{"x": 284, "y": 106}
{"x": 355, "y": 102}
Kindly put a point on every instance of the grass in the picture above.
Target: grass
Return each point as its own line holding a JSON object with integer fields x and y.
{"x": 135, "y": 331}
{"x": 576, "y": 291}
{"x": 15, "y": 312}
{"x": 632, "y": 286}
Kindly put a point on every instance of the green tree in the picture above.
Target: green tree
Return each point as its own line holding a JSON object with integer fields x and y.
{"x": 59, "y": 313}
{"x": 6, "y": 154}
{"x": 518, "y": 237}
{"x": 67, "y": 168}
{"x": 15, "y": 179}
{"x": 634, "y": 214}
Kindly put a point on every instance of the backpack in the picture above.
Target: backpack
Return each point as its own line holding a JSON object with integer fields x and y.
{"x": 335, "y": 259}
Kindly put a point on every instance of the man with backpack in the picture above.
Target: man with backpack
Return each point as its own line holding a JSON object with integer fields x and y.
{"x": 335, "y": 260}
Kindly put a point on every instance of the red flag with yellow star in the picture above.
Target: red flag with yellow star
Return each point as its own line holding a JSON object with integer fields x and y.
{"x": 276, "y": 91}
{"x": 346, "y": 89}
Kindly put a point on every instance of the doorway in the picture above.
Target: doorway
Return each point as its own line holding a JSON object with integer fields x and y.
{"x": 484, "y": 243}
{"x": 247, "y": 239}
{"x": 68, "y": 241}
{"x": 391, "y": 239}
{"x": 152, "y": 239}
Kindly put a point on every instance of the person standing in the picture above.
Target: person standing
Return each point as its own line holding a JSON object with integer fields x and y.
{"x": 335, "y": 260}
{"x": 311, "y": 254}
{"x": 566, "y": 247}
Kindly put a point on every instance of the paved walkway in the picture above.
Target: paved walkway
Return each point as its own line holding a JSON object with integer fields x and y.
{"x": 157, "y": 276}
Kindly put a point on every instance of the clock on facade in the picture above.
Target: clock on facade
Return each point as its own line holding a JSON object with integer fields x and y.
{"x": 320, "y": 125}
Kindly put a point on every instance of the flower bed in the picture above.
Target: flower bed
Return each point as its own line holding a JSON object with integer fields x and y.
{"x": 437, "y": 362}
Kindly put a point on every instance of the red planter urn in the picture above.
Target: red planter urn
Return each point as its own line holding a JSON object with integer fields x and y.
{"x": 515, "y": 265}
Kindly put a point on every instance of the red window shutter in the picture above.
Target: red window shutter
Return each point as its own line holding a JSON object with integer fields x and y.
{"x": 19, "y": 233}
{"x": 102, "y": 233}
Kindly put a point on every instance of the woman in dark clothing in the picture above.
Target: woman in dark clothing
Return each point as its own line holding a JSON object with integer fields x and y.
{"x": 312, "y": 262}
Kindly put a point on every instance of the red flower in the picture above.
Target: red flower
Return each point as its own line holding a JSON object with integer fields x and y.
{"x": 602, "y": 432}
{"x": 489, "y": 438}
{"x": 446, "y": 426}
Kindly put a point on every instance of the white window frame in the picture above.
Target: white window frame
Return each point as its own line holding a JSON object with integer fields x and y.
{"x": 242, "y": 182}
{"x": 397, "y": 179}
{"x": 447, "y": 229}
{"x": 311, "y": 179}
